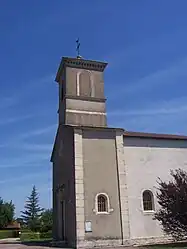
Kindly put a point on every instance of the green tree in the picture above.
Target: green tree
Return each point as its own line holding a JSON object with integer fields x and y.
{"x": 32, "y": 213}
{"x": 172, "y": 197}
{"x": 7, "y": 210}
{"x": 46, "y": 220}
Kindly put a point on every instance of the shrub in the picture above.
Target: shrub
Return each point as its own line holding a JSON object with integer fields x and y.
{"x": 25, "y": 230}
{"x": 172, "y": 198}
{"x": 29, "y": 236}
{"x": 4, "y": 234}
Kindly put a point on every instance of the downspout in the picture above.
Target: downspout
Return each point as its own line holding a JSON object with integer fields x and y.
{"x": 119, "y": 194}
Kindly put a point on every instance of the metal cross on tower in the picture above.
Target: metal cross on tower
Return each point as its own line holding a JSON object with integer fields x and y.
{"x": 78, "y": 48}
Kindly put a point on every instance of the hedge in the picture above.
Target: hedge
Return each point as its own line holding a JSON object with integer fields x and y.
{"x": 25, "y": 230}
{"x": 4, "y": 234}
{"x": 25, "y": 235}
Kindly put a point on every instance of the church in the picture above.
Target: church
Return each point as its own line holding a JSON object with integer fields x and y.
{"x": 105, "y": 178}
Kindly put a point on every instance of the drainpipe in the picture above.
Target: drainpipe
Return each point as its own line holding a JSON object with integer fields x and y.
{"x": 119, "y": 193}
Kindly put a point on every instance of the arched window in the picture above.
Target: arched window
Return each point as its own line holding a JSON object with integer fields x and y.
{"x": 102, "y": 203}
{"x": 148, "y": 201}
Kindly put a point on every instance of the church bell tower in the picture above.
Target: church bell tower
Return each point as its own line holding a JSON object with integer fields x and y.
{"x": 87, "y": 210}
{"x": 81, "y": 92}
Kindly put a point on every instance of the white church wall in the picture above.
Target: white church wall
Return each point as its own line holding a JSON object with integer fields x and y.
{"x": 146, "y": 160}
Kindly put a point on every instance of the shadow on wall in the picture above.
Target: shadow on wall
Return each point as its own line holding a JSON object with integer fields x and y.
{"x": 99, "y": 134}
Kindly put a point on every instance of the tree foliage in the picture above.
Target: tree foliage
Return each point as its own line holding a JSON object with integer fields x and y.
{"x": 6, "y": 213}
{"x": 32, "y": 213}
{"x": 46, "y": 220}
{"x": 172, "y": 198}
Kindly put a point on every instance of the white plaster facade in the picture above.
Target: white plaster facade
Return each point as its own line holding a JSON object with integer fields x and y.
{"x": 145, "y": 160}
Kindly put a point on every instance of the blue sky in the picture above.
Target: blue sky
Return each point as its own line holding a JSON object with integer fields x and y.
{"x": 144, "y": 43}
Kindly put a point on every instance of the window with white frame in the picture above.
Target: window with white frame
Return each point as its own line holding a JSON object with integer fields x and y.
{"x": 148, "y": 201}
{"x": 102, "y": 204}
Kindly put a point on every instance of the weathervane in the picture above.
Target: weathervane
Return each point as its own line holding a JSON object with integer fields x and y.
{"x": 78, "y": 48}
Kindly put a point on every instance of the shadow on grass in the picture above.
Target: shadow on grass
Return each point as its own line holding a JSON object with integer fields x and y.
{"x": 46, "y": 243}
{"x": 182, "y": 244}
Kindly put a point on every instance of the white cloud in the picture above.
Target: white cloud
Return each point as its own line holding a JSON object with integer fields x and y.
{"x": 149, "y": 112}
{"x": 170, "y": 124}
{"x": 38, "y": 131}
{"x": 32, "y": 154}
{"x": 160, "y": 78}
{"x": 6, "y": 121}
{"x": 161, "y": 117}
{"x": 22, "y": 177}
{"x": 23, "y": 91}
{"x": 173, "y": 106}
{"x": 30, "y": 134}
{"x": 32, "y": 85}
{"x": 36, "y": 147}
{"x": 27, "y": 160}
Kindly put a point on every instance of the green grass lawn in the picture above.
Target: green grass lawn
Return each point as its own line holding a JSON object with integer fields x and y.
{"x": 37, "y": 242}
{"x": 36, "y": 239}
{"x": 5, "y": 234}
{"x": 39, "y": 239}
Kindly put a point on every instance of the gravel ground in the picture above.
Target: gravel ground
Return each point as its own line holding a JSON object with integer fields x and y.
{"x": 18, "y": 246}
{"x": 21, "y": 246}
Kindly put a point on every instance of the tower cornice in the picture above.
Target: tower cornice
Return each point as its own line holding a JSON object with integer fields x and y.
{"x": 79, "y": 63}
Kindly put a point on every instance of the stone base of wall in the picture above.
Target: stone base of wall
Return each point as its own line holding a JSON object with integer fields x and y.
{"x": 99, "y": 243}
{"x": 151, "y": 241}
{"x": 126, "y": 243}
{"x": 102, "y": 243}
